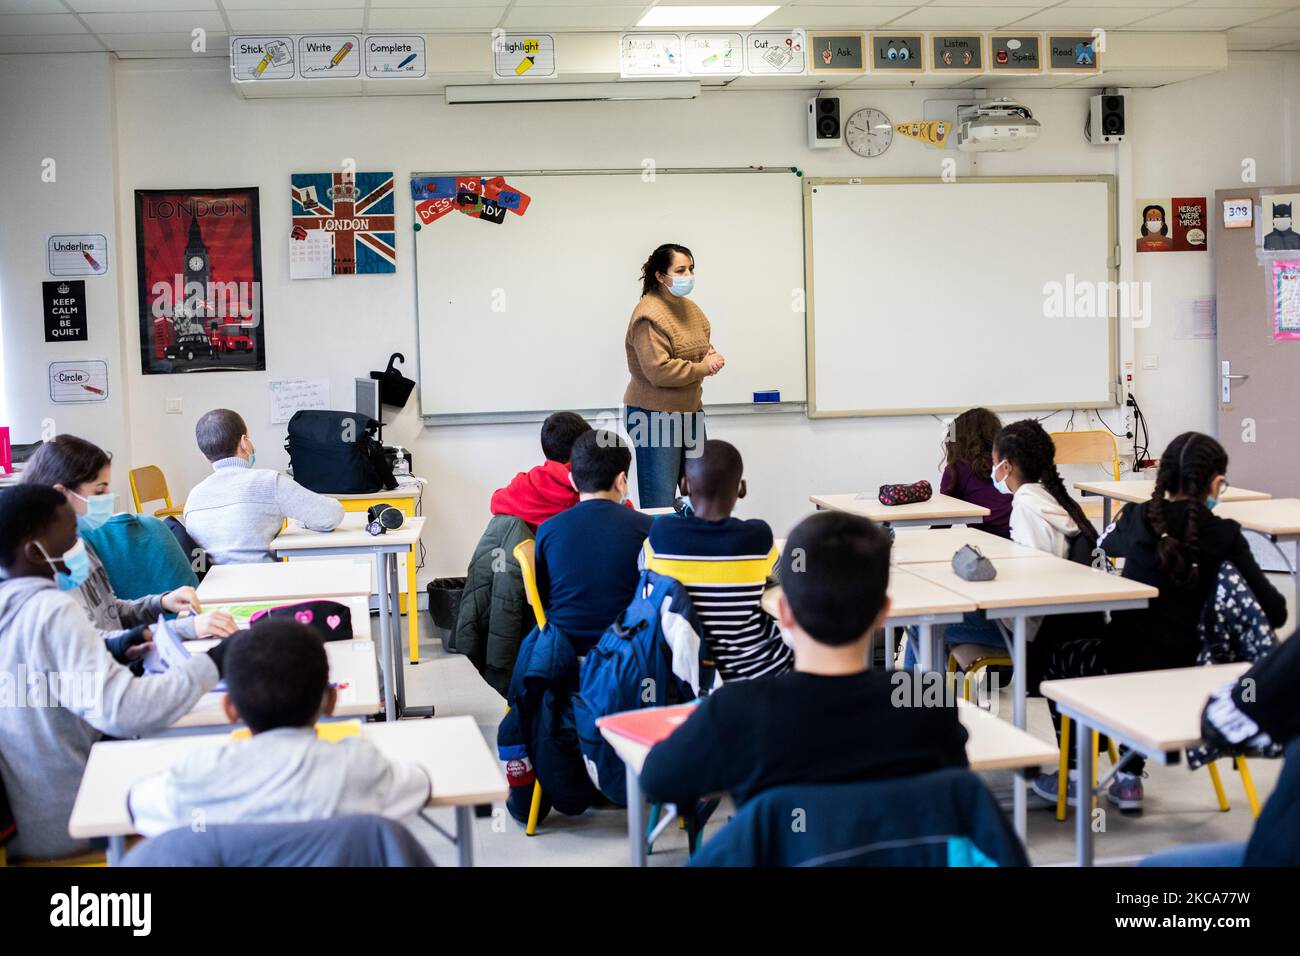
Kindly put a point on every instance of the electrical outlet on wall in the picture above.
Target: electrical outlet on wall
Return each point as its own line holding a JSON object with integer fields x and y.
{"x": 1150, "y": 361}
{"x": 173, "y": 406}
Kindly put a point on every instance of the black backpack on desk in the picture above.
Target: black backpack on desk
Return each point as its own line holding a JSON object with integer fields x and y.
{"x": 337, "y": 453}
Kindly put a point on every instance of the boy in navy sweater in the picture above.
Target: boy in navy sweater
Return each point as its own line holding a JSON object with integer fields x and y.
{"x": 830, "y": 720}
{"x": 587, "y": 555}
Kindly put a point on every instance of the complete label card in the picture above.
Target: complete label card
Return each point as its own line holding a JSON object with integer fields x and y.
{"x": 395, "y": 57}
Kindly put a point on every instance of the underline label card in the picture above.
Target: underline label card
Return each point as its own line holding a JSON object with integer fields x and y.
{"x": 83, "y": 254}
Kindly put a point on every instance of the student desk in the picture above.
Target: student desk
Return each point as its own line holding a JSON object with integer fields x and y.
{"x": 916, "y": 546}
{"x": 351, "y": 539}
{"x": 991, "y": 744}
{"x": 406, "y": 499}
{"x": 1032, "y": 587}
{"x": 1277, "y": 519}
{"x": 658, "y": 512}
{"x": 1157, "y": 713}
{"x": 940, "y": 509}
{"x": 464, "y": 772}
{"x": 272, "y": 581}
{"x": 914, "y": 601}
{"x": 1136, "y": 491}
{"x": 352, "y": 663}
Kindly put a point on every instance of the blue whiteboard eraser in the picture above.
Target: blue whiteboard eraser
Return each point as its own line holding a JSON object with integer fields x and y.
{"x": 767, "y": 396}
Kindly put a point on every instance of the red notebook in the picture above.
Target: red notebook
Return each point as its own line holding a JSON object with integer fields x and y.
{"x": 648, "y": 726}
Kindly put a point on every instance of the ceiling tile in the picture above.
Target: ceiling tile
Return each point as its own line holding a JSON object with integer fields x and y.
{"x": 1252, "y": 38}
{"x": 959, "y": 18}
{"x": 1204, "y": 18}
{"x": 1085, "y": 18}
{"x": 437, "y": 18}
{"x": 163, "y": 43}
{"x": 38, "y": 24}
{"x": 179, "y": 22}
{"x": 1290, "y": 19}
{"x": 138, "y": 6}
{"x": 273, "y": 6}
{"x": 834, "y": 16}
{"x": 62, "y": 43}
{"x": 604, "y": 17}
{"x": 32, "y": 6}
{"x": 295, "y": 21}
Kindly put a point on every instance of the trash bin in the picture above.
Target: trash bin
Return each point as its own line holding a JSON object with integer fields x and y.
{"x": 444, "y": 606}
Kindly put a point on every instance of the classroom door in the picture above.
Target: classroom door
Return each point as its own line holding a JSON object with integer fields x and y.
{"x": 1257, "y": 374}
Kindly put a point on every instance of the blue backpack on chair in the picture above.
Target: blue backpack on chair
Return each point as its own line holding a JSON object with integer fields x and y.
{"x": 649, "y": 657}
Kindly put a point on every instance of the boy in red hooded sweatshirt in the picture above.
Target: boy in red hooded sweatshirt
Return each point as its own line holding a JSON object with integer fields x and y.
{"x": 544, "y": 491}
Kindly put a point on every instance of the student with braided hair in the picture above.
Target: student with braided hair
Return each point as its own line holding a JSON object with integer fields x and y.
{"x": 1043, "y": 517}
{"x": 1174, "y": 543}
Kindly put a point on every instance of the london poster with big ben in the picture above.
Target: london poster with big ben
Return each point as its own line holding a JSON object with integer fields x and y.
{"x": 199, "y": 274}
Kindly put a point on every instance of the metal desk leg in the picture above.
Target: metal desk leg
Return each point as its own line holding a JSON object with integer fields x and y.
{"x": 926, "y": 649}
{"x": 1083, "y": 812}
{"x": 395, "y": 642}
{"x": 635, "y": 818}
{"x": 465, "y": 836}
{"x": 116, "y": 847}
{"x": 890, "y": 652}
{"x": 385, "y": 637}
{"x": 1105, "y": 513}
{"x": 1018, "y": 682}
{"x": 412, "y": 607}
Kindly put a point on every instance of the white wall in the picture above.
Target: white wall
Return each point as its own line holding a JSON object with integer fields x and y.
{"x": 180, "y": 124}
{"x": 57, "y": 107}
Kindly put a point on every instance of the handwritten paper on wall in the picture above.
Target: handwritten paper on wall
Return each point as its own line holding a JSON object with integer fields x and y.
{"x": 293, "y": 395}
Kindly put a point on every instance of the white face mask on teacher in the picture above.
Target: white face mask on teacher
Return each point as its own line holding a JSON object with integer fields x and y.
{"x": 681, "y": 285}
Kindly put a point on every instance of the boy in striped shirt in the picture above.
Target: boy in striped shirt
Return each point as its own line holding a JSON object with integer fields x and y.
{"x": 724, "y": 563}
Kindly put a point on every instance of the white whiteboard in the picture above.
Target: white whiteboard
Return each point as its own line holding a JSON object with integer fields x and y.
{"x": 530, "y": 315}
{"x": 933, "y": 297}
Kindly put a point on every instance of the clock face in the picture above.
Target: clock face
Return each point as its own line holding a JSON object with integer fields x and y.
{"x": 196, "y": 263}
{"x": 869, "y": 132}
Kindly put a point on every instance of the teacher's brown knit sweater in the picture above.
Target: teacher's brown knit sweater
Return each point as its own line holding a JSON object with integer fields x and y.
{"x": 667, "y": 339}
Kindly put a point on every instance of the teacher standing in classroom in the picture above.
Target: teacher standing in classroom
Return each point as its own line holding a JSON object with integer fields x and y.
{"x": 669, "y": 356}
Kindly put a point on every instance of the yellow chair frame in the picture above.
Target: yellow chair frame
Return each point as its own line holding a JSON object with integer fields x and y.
{"x": 525, "y": 553}
{"x": 148, "y": 483}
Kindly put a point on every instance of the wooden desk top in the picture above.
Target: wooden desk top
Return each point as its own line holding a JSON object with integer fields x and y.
{"x": 1035, "y": 581}
{"x": 351, "y": 663}
{"x": 1137, "y": 490}
{"x": 452, "y": 750}
{"x": 938, "y": 508}
{"x": 992, "y": 743}
{"x": 410, "y": 487}
{"x": 1155, "y": 710}
{"x": 925, "y": 545}
{"x": 272, "y": 581}
{"x": 351, "y": 533}
{"x": 911, "y": 596}
{"x": 1280, "y": 516}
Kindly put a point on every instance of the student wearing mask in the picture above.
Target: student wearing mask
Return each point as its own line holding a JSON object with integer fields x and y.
{"x": 75, "y": 691}
{"x": 82, "y": 473}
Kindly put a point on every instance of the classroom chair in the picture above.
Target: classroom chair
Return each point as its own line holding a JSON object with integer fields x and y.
{"x": 150, "y": 484}
{"x": 1247, "y": 781}
{"x": 525, "y": 553}
{"x": 1092, "y": 447}
{"x": 953, "y": 820}
{"x": 970, "y": 659}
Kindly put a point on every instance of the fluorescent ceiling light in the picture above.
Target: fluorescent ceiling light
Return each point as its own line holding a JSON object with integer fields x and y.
{"x": 573, "y": 92}
{"x": 705, "y": 16}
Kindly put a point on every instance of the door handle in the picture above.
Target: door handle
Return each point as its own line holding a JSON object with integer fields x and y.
{"x": 1226, "y": 378}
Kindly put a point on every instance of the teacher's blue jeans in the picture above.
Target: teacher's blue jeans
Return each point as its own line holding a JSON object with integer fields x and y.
{"x": 661, "y": 441}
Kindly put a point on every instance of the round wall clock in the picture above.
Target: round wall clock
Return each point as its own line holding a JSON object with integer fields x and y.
{"x": 868, "y": 132}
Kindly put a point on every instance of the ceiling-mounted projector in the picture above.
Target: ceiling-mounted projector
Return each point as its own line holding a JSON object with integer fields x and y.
{"x": 999, "y": 126}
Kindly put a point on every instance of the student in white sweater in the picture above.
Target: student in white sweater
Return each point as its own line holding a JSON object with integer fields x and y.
{"x": 278, "y": 680}
{"x": 60, "y": 689}
{"x": 1043, "y": 515}
{"x": 235, "y": 513}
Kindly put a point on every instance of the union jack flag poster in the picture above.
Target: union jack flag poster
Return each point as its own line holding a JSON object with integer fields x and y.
{"x": 357, "y": 210}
